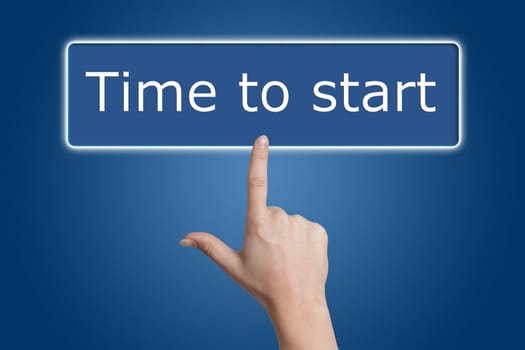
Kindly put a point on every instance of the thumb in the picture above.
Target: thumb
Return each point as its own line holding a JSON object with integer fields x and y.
{"x": 218, "y": 251}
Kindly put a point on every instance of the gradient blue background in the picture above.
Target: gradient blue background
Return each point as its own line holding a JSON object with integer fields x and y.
{"x": 426, "y": 249}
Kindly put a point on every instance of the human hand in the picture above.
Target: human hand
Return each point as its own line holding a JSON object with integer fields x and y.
{"x": 283, "y": 263}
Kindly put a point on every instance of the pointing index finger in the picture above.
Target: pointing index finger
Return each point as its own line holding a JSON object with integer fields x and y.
{"x": 258, "y": 176}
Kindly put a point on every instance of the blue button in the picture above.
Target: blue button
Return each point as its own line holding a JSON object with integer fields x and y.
{"x": 324, "y": 94}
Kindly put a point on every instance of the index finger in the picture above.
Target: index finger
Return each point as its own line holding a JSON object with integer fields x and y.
{"x": 258, "y": 177}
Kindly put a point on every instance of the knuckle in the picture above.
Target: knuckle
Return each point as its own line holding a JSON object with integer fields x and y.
{"x": 209, "y": 250}
{"x": 320, "y": 230}
{"x": 276, "y": 210}
{"x": 257, "y": 181}
{"x": 298, "y": 218}
{"x": 278, "y": 213}
{"x": 256, "y": 224}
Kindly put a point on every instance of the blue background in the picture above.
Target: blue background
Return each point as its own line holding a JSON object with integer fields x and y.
{"x": 426, "y": 249}
{"x": 298, "y": 66}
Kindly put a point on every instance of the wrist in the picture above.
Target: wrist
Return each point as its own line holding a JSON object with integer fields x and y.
{"x": 296, "y": 308}
{"x": 303, "y": 324}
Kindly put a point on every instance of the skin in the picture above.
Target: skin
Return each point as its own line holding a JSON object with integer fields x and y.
{"x": 283, "y": 263}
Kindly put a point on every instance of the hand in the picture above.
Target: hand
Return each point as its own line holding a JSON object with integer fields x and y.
{"x": 283, "y": 263}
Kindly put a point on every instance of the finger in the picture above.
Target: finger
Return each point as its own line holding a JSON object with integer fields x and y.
{"x": 258, "y": 177}
{"x": 218, "y": 251}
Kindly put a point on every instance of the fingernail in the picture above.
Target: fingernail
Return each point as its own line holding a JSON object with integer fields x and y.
{"x": 188, "y": 243}
{"x": 262, "y": 142}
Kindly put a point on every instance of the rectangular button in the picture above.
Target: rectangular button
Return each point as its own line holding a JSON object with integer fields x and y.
{"x": 303, "y": 95}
